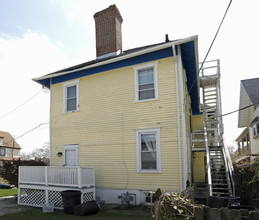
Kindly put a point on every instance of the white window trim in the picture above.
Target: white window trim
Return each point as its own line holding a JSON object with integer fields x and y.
{"x": 254, "y": 130}
{"x": 145, "y": 66}
{"x": 145, "y": 195}
{"x": 68, "y": 84}
{"x": 70, "y": 147}
{"x": 138, "y": 150}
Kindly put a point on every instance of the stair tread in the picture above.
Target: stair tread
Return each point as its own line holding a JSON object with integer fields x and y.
{"x": 219, "y": 184}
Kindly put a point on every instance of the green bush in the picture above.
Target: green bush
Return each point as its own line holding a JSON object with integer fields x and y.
{"x": 174, "y": 206}
{"x": 10, "y": 169}
{"x": 247, "y": 182}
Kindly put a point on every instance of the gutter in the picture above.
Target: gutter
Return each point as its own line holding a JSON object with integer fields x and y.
{"x": 178, "y": 120}
{"x": 149, "y": 50}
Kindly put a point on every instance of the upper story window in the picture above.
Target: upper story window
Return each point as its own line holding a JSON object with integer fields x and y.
{"x": 255, "y": 130}
{"x": 146, "y": 82}
{"x": 148, "y": 150}
{"x": 71, "y": 96}
{"x": 2, "y": 151}
{"x": 1, "y": 141}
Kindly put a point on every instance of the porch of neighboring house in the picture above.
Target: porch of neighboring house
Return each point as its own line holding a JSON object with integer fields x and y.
{"x": 39, "y": 185}
{"x": 244, "y": 149}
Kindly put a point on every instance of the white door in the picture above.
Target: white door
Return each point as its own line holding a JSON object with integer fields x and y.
{"x": 70, "y": 153}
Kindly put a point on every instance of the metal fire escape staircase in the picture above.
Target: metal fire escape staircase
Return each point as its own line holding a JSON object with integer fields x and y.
{"x": 219, "y": 178}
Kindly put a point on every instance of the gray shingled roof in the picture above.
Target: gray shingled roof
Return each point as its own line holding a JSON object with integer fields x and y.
{"x": 108, "y": 58}
{"x": 252, "y": 88}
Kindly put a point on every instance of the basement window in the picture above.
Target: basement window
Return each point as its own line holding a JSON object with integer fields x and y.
{"x": 149, "y": 198}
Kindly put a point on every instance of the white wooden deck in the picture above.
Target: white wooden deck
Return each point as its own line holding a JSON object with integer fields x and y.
{"x": 41, "y": 184}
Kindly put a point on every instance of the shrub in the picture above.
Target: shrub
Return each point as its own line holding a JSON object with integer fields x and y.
{"x": 10, "y": 169}
{"x": 247, "y": 182}
{"x": 174, "y": 206}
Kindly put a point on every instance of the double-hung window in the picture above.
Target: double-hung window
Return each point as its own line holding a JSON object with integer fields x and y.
{"x": 146, "y": 82}
{"x": 71, "y": 96}
{"x": 2, "y": 151}
{"x": 256, "y": 130}
{"x": 148, "y": 150}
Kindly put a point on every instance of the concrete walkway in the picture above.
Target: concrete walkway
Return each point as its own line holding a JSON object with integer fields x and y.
{"x": 8, "y": 205}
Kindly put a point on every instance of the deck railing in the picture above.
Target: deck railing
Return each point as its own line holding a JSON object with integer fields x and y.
{"x": 57, "y": 176}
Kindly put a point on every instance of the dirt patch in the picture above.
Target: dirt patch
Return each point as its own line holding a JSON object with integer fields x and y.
{"x": 128, "y": 209}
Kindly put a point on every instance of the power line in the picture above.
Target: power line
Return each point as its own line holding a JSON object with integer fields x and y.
{"x": 21, "y": 104}
{"x": 235, "y": 111}
{"x": 211, "y": 45}
{"x": 43, "y": 123}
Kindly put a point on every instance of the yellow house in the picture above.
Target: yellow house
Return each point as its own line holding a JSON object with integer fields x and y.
{"x": 130, "y": 115}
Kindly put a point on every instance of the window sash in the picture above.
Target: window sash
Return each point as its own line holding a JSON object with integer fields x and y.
{"x": 256, "y": 130}
{"x": 71, "y": 96}
{"x": 71, "y": 92}
{"x": 146, "y": 88}
{"x": 146, "y": 84}
{"x": 71, "y": 104}
{"x": 148, "y": 150}
{"x": 2, "y": 151}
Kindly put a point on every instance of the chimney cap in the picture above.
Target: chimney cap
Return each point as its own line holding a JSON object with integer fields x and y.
{"x": 110, "y": 8}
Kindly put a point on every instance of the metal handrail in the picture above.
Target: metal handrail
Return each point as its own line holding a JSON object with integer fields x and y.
{"x": 229, "y": 167}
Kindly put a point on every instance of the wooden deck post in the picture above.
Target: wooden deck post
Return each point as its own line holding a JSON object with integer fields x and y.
{"x": 79, "y": 176}
{"x": 46, "y": 175}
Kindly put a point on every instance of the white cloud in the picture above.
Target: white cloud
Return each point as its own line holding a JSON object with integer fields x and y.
{"x": 22, "y": 59}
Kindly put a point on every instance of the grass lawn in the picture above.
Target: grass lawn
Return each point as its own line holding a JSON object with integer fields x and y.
{"x": 8, "y": 192}
{"x": 37, "y": 214}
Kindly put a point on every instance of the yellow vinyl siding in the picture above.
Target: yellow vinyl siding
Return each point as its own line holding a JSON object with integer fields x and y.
{"x": 197, "y": 122}
{"x": 199, "y": 167}
{"x": 105, "y": 127}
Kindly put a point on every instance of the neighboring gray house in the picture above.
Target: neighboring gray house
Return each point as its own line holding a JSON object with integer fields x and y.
{"x": 248, "y": 118}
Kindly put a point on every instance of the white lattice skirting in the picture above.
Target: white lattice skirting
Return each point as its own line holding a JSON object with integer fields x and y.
{"x": 32, "y": 195}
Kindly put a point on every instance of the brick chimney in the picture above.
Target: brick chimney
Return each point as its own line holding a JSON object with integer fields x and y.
{"x": 108, "y": 32}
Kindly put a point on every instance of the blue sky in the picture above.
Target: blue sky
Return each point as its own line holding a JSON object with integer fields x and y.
{"x": 38, "y": 37}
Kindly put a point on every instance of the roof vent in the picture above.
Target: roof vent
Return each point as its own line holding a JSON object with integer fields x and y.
{"x": 166, "y": 38}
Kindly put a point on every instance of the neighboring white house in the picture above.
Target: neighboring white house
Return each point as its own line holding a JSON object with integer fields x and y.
{"x": 248, "y": 118}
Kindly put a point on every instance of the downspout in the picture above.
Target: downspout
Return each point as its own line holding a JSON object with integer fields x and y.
{"x": 50, "y": 156}
{"x": 185, "y": 175}
{"x": 178, "y": 119}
